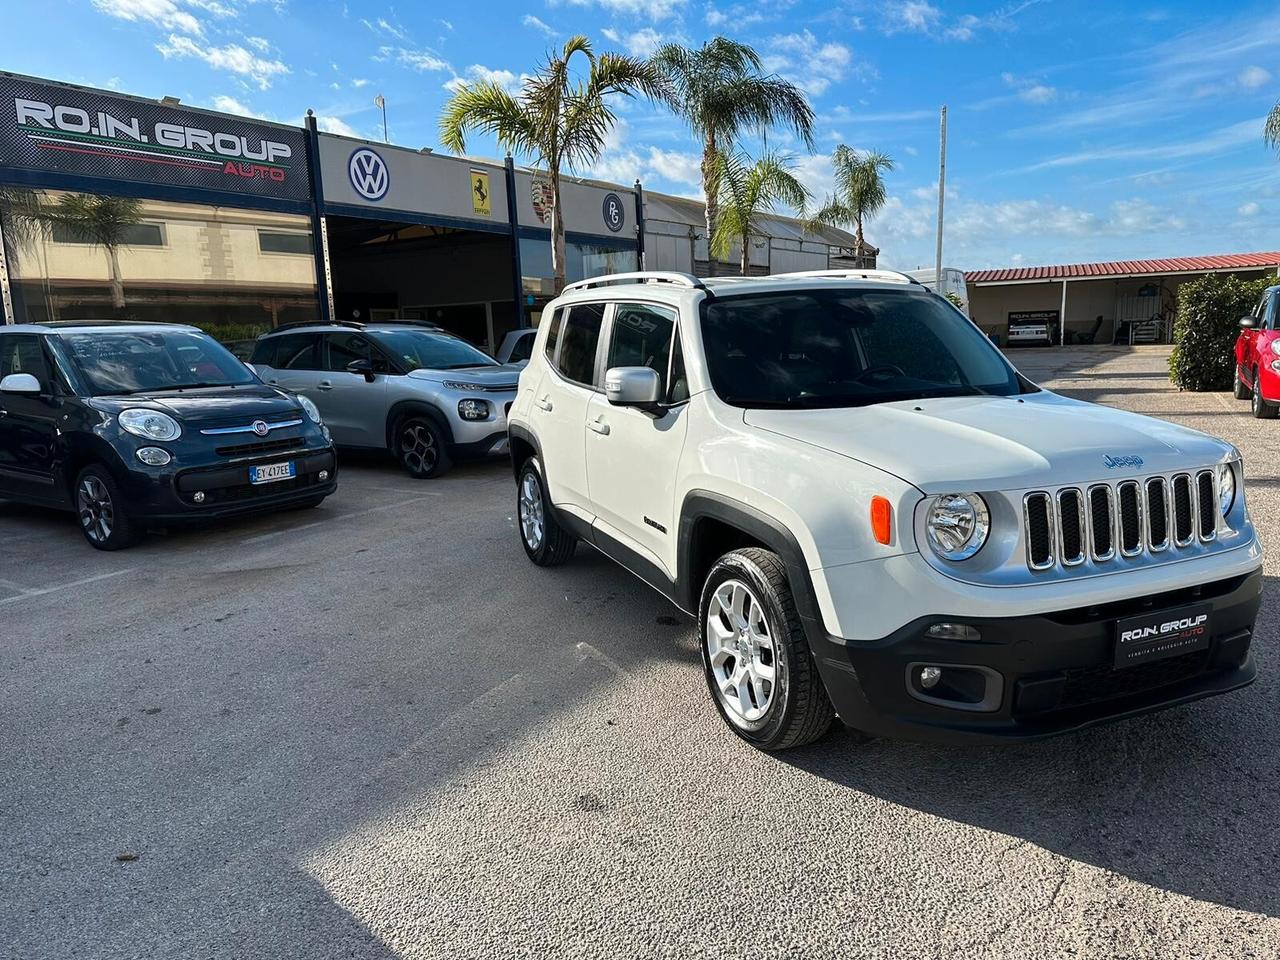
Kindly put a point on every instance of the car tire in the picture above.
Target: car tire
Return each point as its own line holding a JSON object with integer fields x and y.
{"x": 420, "y": 447}
{"x": 1241, "y": 392}
{"x": 101, "y": 512}
{"x": 545, "y": 541}
{"x": 1262, "y": 410}
{"x": 759, "y": 669}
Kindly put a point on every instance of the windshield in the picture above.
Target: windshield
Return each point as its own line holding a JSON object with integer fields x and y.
{"x": 425, "y": 350}
{"x": 136, "y": 361}
{"x": 841, "y": 347}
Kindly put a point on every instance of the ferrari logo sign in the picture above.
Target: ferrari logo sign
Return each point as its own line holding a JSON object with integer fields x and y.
{"x": 481, "y": 199}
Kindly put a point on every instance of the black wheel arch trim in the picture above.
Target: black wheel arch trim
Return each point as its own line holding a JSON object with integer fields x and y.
{"x": 402, "y": 408}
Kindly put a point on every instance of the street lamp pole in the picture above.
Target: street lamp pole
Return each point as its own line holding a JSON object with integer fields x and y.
{"x": 381, "y": 102}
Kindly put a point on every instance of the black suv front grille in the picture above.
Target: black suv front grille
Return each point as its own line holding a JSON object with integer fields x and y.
{"x": 1096, "y": 684}
{"x": 263, "y": 446}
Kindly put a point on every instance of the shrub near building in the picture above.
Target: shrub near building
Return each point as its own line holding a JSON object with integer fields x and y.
{"x": 1205, "y": 331}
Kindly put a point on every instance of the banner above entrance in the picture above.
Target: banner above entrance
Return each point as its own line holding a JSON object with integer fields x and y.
{"x": 61, "y": 129}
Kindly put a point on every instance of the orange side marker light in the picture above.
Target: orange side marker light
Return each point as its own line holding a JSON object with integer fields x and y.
{"x": 881, "y": 519}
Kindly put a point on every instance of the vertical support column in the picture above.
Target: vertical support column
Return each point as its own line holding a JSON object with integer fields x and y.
{"x": 640, "y": 264}
{"x": 1062, "y": 317}
{"x": 517, "y": 272}
{"x": 319, "y": 228}
{"x": 6, "y": 293}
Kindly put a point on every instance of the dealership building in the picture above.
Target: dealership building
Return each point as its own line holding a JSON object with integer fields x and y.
{"x": 244, "y": 224}
{"x": 1122, "y": 301}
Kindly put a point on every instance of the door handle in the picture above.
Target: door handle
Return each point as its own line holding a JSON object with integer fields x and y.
{"x": 599, "y": 426}
{"x": 324, "y": 385}
{"x": 544, "y": 404}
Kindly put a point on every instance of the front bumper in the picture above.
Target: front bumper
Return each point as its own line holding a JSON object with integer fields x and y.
{"x": 1055, "y": 669}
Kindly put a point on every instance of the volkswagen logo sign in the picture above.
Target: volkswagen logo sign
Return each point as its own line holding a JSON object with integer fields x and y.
{"x": 260, "y": 428}
{"x": 368, "y": 173}
{"x": 615, "y": 214}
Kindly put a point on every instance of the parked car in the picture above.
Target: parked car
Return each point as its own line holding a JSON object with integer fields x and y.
{"x": 873, "y": 515}
{"x": 517, "y": 346}
{"x": 1258, "y": 356}
{"x": 404, "y": 386}
{"x": 137, "y": 424}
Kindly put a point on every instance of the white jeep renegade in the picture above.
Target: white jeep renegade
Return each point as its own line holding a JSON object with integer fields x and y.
{"x": 873, "y": 515}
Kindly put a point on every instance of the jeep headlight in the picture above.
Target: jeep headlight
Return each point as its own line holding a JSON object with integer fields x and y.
{"x": 149, "y": 424}
{"x": 310, "y": 409}
{"x": 957, "y": 525}
{"x": 1226, "y": 488}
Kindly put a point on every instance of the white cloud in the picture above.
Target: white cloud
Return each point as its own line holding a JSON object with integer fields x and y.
{"x": 652, "y": 10}
{"x": 644, "y": 42}
{"x": 336, "y": 125}
{"x": 529, "y": 20}
{"x": 811, "y": 64}
{"x": 382, "y": 25}
{"x": 716, "y": 18}
{"x": 359, "y": 82}
{"x": 161, "y": 13}
{"x": 1249, "y": 209}
{"x": 920, "y": 16}
{"x": 623, "y": 164}
{"x": 1251, "y": 78}
{"x": 226, "y": 104}
{"x": 917, "y": 16}
{"x": 232, "y": 58}
{"x": 261, "y": 44}
{"x": 421, "y": 60}
{"x": 478, "y": 73}
{"x": 1207, "y": 144}
{"x": 1029, "y": 90}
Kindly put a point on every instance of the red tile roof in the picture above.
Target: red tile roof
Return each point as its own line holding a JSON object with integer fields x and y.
{"x": 1125, "y": 268}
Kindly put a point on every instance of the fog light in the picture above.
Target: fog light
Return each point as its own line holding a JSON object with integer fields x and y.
{"x": 198, "y": 496}
{"x": 324, "y": 475}
{"x": 153, "y": 456}
{"x": 953, "y": 631}
{"x": 929, "y": 677}
{"x": 473, "y": 410}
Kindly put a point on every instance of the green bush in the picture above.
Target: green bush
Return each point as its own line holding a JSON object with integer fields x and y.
{"x": 1205, "y": 331}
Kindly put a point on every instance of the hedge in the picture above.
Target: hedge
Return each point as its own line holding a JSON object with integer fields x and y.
{"x": 1205, "y": 331}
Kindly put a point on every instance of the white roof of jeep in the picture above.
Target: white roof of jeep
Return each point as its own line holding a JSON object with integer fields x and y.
{"x": 623, "y": 284}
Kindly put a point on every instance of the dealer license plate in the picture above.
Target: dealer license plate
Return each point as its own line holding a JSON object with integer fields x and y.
{"x": 271, "y": 472}
{"x": 1155, "y": 636}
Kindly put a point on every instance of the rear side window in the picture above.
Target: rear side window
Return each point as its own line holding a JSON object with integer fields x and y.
{"x": 23, "y": 353}
{"x": 580, "y": 337}
{"x": 1271, "y": 311}
{"x": 345, "y": 348}
{"x": 522, "y": 349}
{"x": 641, "y": 337}
{"x": 292, "y": 351}
{"x": 553, "y": 335}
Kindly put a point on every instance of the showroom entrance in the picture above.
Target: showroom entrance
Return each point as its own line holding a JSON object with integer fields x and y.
{"x": 460, "y": 279}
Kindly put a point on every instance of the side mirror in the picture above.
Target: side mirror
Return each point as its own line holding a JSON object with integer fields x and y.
{"x": 23, "y": 384}
{"x": 632, "y": 387}
{"x": 1248, "y": 323}
{"x": 363, "y": 367}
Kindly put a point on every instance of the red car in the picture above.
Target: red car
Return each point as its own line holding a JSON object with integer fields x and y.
{"x": 1258, "y": 356}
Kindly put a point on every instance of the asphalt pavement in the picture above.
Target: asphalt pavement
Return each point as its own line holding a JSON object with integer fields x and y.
{"x": 374, "y": 730}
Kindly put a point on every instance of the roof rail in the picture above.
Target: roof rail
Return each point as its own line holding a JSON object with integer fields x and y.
{"x": 354, "y": 324}
{"x": 893, "y": 276}
{"x": 644, "y": 276}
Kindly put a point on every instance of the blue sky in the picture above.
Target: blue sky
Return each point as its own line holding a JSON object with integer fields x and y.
{"x": 1077, "y": 131}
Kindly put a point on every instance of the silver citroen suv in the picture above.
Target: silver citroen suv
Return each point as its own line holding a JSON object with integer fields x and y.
{"x": 412, "y": 388}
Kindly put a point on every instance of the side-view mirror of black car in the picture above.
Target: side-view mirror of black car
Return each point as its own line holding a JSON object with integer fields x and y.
{"x": 364, "y": 367}
{"x": 1248, "y": 323}
{"x": 22, "y": 384}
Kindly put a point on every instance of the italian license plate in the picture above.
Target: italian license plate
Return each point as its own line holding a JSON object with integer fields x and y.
{"x": 271, "y": 472}
{"x": 1155, "y": 636}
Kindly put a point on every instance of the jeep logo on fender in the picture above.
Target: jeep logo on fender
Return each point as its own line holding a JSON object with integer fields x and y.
{"x": 46, "y": 126}
{"x": 1111, "y": 463}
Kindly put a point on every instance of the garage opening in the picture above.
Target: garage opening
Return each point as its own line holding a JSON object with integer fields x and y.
{"x": 393, "y": 270}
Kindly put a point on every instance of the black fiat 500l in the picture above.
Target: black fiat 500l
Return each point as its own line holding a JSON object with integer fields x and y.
{"x": 132, "y": 424}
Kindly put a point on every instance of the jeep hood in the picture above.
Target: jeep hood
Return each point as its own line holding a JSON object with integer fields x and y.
{"x": 498, "y": 375}
{"x": 996, "y": 443}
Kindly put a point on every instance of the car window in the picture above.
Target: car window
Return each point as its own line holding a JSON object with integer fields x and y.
{"x": 641, "y": 337}
{"x": 522, "y": 349}
{"x": 343, "y": 349}
{"x": 131, "y": 361}
{"x": 290, "y": 351}
{"x": 580, "y": 337}
{"x": 1271, "y": 315}
{"x": 23, "y": 353}
{"x": 553, "y": 335}
{"x": 679, "y": 392}
{"x": 431, "y": 350}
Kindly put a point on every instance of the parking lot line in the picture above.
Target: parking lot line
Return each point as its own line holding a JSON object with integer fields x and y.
{"x": 27, "y": 592}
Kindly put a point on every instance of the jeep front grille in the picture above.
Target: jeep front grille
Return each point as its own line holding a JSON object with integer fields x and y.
{"x": 1107, "y": 522}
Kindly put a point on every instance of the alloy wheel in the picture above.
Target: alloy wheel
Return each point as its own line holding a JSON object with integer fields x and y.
{"x": 418, "y": 448}
{"x": 531, "y": 526}
{"x": 97, "y": 512}
{"x": 741, "y": 651}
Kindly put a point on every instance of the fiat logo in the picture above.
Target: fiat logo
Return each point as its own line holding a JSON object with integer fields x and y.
{"x": 260, "y": 428}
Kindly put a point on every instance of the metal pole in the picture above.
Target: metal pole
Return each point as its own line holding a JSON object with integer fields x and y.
{"x": 942, "y": 193}
{"x": 517, "y": 272}
{"x": 319, "y": 227}
{"x": 639, "y": 226}
{"x": 385, "y": 137}
{"x": 1062, "y": 318}
{"x": 6, "y": 296}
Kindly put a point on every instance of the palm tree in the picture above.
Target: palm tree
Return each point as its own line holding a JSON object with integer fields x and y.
{"x": 747, "y": 190}
{"x": 101, "y": 221}
{"x": 1272, "y": 132}
{"x": 560, "y": 121}
{"x": 719, "y": 91}
{"x": 859, "y": 191}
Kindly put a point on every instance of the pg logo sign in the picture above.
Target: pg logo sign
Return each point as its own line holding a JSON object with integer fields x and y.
{"x": 368, "y": 174}
{"x": 615, "y": 214}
